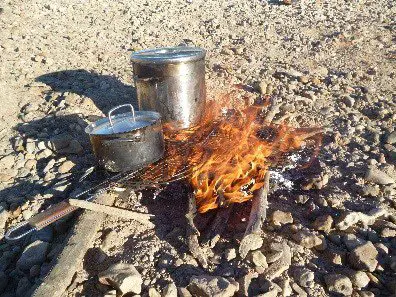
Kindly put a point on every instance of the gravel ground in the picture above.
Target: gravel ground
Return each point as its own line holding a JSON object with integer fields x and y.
{"x": 332, "y": 63}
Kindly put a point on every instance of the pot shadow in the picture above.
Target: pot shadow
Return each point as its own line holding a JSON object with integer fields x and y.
{"x": 106, "y": 91}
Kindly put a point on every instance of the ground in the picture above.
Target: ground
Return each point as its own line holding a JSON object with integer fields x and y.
{"x": 332, "y": 63}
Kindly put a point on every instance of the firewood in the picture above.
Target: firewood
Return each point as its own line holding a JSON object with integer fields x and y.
{"x": 114, "y": 211}
{"x": 218, "y": 226}
{"x": 193, "y": 233}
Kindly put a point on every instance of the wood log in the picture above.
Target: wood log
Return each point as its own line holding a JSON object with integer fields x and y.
{"x": 218, "y": 226}
{"x": 193, "y": 233}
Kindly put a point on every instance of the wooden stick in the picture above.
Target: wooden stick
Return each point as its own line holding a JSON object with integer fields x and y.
{"x": 193, "y": 233}
{"x": 114, "y": 211}
{"x": 258, "y": 212}
{"x": 218, "y": 226}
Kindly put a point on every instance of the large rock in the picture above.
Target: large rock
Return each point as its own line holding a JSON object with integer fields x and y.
{"x": 339, "y": 284}
{"x": 364, "y": 257}
{"x": 123, "y": 277}
{"x": 359, "y": 279}
{"x": 211, "y": 286}
{"x": 34, "y": 253}
{"x": 323, "y": 223}
{"x": 280, "y": 218}
{"x": 310, "y": 240}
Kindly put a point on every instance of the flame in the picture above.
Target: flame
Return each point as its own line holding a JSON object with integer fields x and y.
{"x": 230, "y": 154}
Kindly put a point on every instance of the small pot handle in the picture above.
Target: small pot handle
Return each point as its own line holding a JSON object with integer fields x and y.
{"x": 118, "y": 107}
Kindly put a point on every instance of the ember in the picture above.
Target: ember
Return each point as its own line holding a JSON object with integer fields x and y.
{"x": 230, "y": 152}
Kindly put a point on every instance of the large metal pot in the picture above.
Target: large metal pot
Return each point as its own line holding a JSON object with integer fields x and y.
{"x": 171, "y": 80}
{"x": 127, "y": 141}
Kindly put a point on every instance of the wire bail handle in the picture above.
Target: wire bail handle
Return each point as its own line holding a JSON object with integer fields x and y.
{"x": 118, "y": 107}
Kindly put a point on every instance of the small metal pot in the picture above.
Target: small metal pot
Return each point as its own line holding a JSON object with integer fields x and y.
{"x": 127, "y": 141}
{"x": 171, "y": 80}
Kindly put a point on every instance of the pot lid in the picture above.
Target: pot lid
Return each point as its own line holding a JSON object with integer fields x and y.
{"x": 164, "y": 55}
{"x": 122, "y": 123}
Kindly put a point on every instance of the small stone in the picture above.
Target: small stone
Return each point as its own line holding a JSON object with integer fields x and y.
{"x": 274, "y": 256}
{"x": 364, "y": 257}
{"x": 280, "y": 218}
{"x": 123, "y": 277}
{"x": 7, "y": 161}
{"x": 183, "y": 292}
{"x": 211, "y": 286}
{"x": 304, "y": 277}
{"x": 335, "y": 258}
{"x": 34, "y": 253}
{"x": 323, "y": 223}
{"x": 170, "y": 290}
{"x": 310, "y": 240}
{"x": 351, "y": 241}
{"x": 263, "y": 87}
{"x": 34, "y": 271}
{"x": 66, "y": 167}
{"x": 30, "y": 147}
{"x": 339, "y": 284}
{"x": 250, "y": 242}
{"x": 282, "y": 264}
{"x": 152, "y": 292}
{"x": 30, "y": 164}
{"x": 388, "y": 233}
{"x": 370, "y": 190}
{"x": 349, "y": 101}
{"x": 23, "y": 287}
{"x": 378, "y": 177}
{"x": 259, "y": 259}
{"x": 230, "y": 254}
{"x": 359, "y": 279}
{"x": 300, "y": 291}
{"x": 391, "y": 138}
{"x": 303, "y": 79}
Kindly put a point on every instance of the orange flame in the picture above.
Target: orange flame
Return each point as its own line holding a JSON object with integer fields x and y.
{"x": 230, "y": 155}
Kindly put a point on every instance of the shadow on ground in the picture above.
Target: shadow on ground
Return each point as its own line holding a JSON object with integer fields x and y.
{"x": 106, "y": 91}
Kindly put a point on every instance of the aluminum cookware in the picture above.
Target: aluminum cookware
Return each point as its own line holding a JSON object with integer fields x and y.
{"x": 171, "y": 80}
{"x": 127, "y": 141}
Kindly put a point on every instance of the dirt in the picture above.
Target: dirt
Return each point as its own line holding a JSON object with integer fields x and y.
{"x": 331, "y": 63}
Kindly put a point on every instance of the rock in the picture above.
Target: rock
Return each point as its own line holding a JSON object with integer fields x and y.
{"x": 310, "y": 240}
{"x": 388, "y": 233}
{"x": 348, "y": 101}
{"x": 211, "y": 286}
{"x": 300, "y": 291}
{"x": 230, "y": 254}
{"x": 34, "y": 271}
{"x": 370, "y": 190}
{"x": 359, "y": 279}
{"x": 30, "y": 147}
{"x": 73, "y": 148}
{"x": 244, "y": 283}
{"x": 183, "y": 292}
{"x": 304, "y": 277}
{"x": 282, "y": 264}
{"x": 366, "y": 294}
{"x": 3, "y": 281}
{"x": 351, "y": 241}
{"x": 4, "y": 215}
{"x": 23, "y": 288}
{"x": 249, "y": 243}
{"x": 259, "y": 259}
{"x": 338, "y": 284}
{"x": 34, "y": 253}
{"x": 263, "y": 87}
{"x": 364, "y": 257}
{"x": 349, "y": 219}
{"x": 123, "y": 277}
{"x": 7, "y": 161}
{"x": 391, "y": 138}
{"x": 280, "y": 218}
{"x": 152, "y": 292}
{"x": 170, "y": 290}
{"x": 66, "y": 167}
{"x": 378, "y": 177}
{"x": 274, "y": 256}
{"x": 323, "y": 223}
{"x": 30, "y": 164}
{"x": 112, "y": 293}
{"x": 65, "y": 144}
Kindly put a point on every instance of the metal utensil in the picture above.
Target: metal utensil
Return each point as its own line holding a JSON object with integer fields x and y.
{"x": 124, "y": 141}
{"x": 171, "y": 80}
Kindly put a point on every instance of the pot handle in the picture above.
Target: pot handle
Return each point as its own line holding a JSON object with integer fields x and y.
{"x": 118, "y": 107}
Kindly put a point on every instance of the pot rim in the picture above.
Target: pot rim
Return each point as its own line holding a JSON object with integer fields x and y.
{"x": 166, "y": 55}
{"x": 150, "y": 117}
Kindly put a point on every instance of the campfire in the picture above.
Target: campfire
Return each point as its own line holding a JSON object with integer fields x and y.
{"x": 226, "y": 159}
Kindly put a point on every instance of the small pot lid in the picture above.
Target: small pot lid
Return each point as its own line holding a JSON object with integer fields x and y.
{"x": 123, "y": 123}
{"x": 164, "y": 55}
